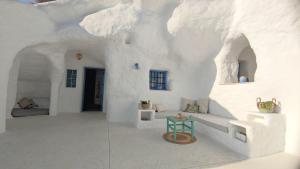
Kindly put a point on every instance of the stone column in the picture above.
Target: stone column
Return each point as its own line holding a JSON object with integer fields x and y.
{"x": 56, "y": 57}
{"x": 56, "y": 77}
{"x": 54, "y": 96}
{"x": 3, "y": 95}
{"x": 4, "y": 72}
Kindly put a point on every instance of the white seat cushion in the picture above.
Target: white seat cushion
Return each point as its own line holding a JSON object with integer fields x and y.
{"x": 217, "y": 122}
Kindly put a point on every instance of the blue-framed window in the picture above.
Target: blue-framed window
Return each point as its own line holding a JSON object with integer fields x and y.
{"x": 71, "y": 78}
{"x": 158, "y": 80}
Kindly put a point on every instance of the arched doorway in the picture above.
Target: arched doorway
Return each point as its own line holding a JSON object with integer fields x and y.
{"x": 36, "y": 76}
{"x": 33, "y": 86}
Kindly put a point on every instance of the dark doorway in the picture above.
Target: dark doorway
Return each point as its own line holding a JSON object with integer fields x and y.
{"x": 93, "y": 89}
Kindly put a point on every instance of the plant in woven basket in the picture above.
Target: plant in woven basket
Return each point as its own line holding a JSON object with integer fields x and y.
{"x": 267, "y": 106}
{"x": 145, "y": 104}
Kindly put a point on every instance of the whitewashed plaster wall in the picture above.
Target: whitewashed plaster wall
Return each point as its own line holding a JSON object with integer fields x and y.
{"x": 36, "y": 75}
{"x": 70, "y": 99}
{"x": 46, "y": 25}
{"x": 127, "y": 86}
{"x": 16, "y": 34}
{"x": 273, "y": 32}
{"x": 199, "y": 27}
{"x": 151, "y": 46}
{"x": 272, "y": 28}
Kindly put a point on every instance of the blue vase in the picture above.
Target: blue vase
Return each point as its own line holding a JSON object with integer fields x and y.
{"x": 243, "y": 79}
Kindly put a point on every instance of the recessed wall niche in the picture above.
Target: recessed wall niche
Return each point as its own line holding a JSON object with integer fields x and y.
{"x": 247, "y": 64}
{"x": 236, "y": 60}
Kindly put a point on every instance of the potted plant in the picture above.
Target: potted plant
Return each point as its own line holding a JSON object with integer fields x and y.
{"x": 145, "y": 104}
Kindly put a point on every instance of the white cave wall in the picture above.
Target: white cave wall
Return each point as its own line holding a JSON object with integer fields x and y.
{"x": 150, "y": 45}
{"x": 36, "y": 73}
{"x": 199, "y": 29}
{"x": 16, "y": 34}
{"x": 70, "y": 99}
{"x": 272, "y": 28}
{"x": 25, "y": 25}
{"x": 273, "y": 33}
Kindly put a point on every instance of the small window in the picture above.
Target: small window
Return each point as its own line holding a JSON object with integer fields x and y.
{"x": 158, "y": 80}
{"x": 71, "y": 78}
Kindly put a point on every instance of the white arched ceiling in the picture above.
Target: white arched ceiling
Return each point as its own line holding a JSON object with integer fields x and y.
{"x": 34, "y": 66}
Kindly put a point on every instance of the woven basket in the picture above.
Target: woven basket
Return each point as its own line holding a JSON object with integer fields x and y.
{"x": 266, "y": 107}
{"x": 145, "y": 104}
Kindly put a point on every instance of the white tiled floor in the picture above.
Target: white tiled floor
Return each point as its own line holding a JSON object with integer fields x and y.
{"x": 81, "y": 141}
{"x": 277, "y": 161}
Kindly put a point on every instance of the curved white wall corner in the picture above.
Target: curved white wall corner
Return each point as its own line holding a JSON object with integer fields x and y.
{"x": 227, "y": 60}
{"x": 273, "y": 35}
{"x": 14, "y": 38}
{"x": 54, "y": 96}
{"x": 56, "y": 76}
{"x": 3, "y": 97}
{"x": 38, "y": 79}
{"x": 199, "y": 29}
{"x": 12, "y": 89}
{"x": 272, "y": 29}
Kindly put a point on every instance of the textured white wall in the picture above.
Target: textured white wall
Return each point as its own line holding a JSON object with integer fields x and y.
{"x": 200, "y": 27}
{"x": 272, "y": 28}
{"x": 128, "y": 86}
{"x": 153, "y": 48}
{"x": 16, "y": 34}
{"x": 70, "y": 99}
{"x": 274, "y": 36}
{"x": 247, "y": 63}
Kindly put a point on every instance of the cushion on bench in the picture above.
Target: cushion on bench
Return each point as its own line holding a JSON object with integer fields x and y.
{"x": 16, "y": 112}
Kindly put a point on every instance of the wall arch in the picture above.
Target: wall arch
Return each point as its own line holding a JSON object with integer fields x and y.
{"x": 54, "y": 75}
{"x": 235, "y": 59}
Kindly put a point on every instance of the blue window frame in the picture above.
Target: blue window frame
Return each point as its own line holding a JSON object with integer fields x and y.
{"x": 158, "y": 80}
{"x": 71, "y": 78}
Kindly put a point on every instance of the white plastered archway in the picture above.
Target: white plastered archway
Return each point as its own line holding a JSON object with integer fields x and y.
{"x": 227, "y": 61}
{"x": 57, "y": 64}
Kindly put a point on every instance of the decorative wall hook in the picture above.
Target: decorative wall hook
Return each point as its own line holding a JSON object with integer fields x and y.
{"x": 78, "y": 56}
{"x": 136, "y": 66}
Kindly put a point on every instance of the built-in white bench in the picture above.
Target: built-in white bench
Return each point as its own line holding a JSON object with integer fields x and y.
{"x": 259, "y": 135}
{"x": 217, "y": 122}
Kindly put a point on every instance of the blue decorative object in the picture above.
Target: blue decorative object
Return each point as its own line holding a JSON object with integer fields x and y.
{"x": 158, "y": 80}
{"x": 243, "y": 79}
{"x": 136, "y": 66}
